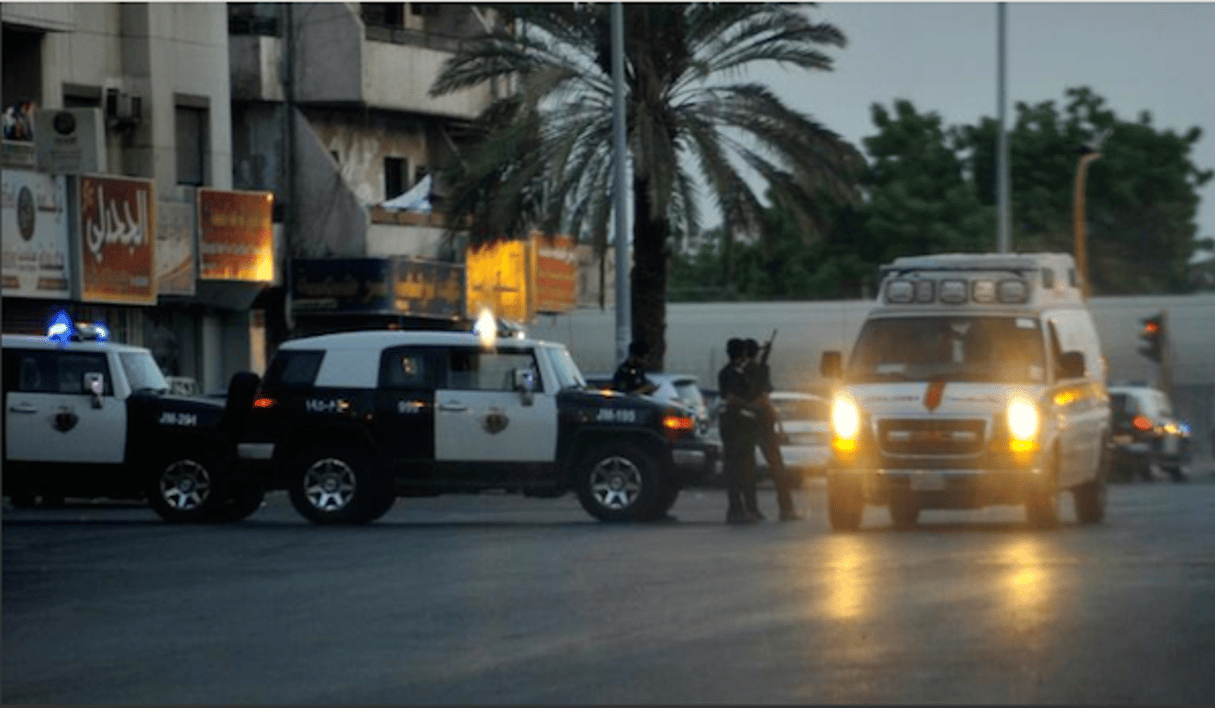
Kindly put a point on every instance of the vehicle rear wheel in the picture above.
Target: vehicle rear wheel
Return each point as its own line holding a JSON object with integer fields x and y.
{"x": 621, "y": 482}
{"x": 1042, "y": 502}
{"x": 1089, "y": 498}
{"x": 904, "y": 511}
{"x": 187, "y": 488}
{"x": 845, "y": 504}
{"x": 336, "y": 485}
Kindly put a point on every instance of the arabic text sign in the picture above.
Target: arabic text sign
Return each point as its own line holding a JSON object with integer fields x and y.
{"x": 341, "y": 285}
{"x": 117, "y": 240}
{"x": 35, "y": 228}
{"x": 235, "y": 235}
{"x": 428, "y": 288}
{"x": 497, "y": 279}
{"x": 556, "y": 269}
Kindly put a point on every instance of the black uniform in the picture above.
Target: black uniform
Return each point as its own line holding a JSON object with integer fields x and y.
{"x": 760, "y": 379}
{"x": 739, "y": 428}
{"x": 629, "y": 377}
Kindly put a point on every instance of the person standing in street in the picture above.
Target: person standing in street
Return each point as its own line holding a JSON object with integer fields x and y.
{"x": 630, "y": 375}
{"x": 767, "y": 437}
{"x": 738, "y": 435}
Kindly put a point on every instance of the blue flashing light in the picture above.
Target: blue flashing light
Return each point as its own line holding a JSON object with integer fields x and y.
{"x": 61, "y": 328}
{"x": 102, "y": 334}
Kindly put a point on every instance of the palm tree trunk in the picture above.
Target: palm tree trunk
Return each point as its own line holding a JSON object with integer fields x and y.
{"x": 649, "y": 276}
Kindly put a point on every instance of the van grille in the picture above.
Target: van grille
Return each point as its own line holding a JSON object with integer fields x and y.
{"x": 931, "y": 437}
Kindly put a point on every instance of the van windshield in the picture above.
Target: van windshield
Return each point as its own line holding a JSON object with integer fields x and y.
{"x": 983, "y": 349}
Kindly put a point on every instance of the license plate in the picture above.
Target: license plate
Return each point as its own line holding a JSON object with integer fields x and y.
{"x": 927, "y": 482}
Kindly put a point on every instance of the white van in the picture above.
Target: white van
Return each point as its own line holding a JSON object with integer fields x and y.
{"x": 978, "y": 379}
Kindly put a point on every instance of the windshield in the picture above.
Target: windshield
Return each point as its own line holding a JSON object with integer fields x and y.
{"x": 568, "y": 375}
{"x": 986, "y": 349}
{"x": 142, "y": 372}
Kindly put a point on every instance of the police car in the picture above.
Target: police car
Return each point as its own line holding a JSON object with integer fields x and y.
{"x": 978, "y": 379}
{"x": 349, "y": 422}
{"x": 86, "y": 417}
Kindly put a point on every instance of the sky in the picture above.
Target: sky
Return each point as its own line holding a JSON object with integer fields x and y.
{"x": 941, "y": 56}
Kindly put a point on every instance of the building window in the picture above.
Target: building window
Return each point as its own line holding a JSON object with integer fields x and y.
{"x": 191, "y": 125}
{"x": 396, "y": 170}
{"x": 22, "y": 66}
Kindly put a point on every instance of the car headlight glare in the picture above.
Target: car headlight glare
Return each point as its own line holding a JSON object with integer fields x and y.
{"x": 1022, "y": 419}
{"x": 845, "y": 418}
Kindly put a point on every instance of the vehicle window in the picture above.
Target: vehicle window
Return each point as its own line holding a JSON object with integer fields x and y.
{"x": 568, "y": 375}
{"x": 404, "y": 367}
{"x": 987, "y": 349}
{"x": 476, "y": 370}
{"x": 142, "y": 372}
{"x": 56, "y": 372}
{"x": 690, "y": 393}
{"x": 294, "y": 368}
{"x": 1123, "y": 404}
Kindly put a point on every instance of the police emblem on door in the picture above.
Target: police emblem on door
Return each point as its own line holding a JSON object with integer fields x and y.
{"x": 495, "y": 421}
{"x": 64, "y": 420}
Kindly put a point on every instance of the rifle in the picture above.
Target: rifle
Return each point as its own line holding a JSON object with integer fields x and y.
{"x": 766, "y": 348}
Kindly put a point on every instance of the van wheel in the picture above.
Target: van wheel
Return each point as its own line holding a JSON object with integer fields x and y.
{"x": 186, "y": 489}
{"x": 621, "y": 482}
{"x": 336, "y": 485}
{"x": 904, "y": 511}
{"x": 845, "y": 505}
{"x": 1042, "y": 502}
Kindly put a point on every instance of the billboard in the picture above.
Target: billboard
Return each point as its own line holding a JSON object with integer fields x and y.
{"x": 117, "y": 240}
{"x": 35, "y": 235}
{"x": 498, "y": 276}
{"x": 556, "y": 273}
{"x": 235, "y": 235}
{"x": 428, "y": 288}
{"x": 383, "y": 286}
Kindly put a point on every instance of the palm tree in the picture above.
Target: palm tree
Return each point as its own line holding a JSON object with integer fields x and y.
{"x": 544, "y": 160}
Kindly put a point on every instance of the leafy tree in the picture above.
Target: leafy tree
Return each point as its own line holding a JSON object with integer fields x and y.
{"x": 543, "y": 157}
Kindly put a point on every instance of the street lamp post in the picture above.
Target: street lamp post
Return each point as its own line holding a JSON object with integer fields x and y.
{"x": 1088, "y": 153}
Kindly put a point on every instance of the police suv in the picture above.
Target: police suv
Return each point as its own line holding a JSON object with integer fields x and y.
{"x": 349, "y": 422}
{"x": 86, "y": 417}
{"x": 976, "y": 380}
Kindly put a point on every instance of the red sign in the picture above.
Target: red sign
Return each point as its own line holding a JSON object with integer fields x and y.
{"x": 235, "y": 235}
{"x": 117, "y": 240}
{"x": 556, "y": 288}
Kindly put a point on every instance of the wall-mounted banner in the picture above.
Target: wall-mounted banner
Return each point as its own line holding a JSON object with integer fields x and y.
{"x": 117, "y": 240}
{"x": 341, "y": 285}
{"x": 35, "y": 235}
{"x": 556, "y": 269}
{"x": 175, "y": 248}
{"x": 498, "y": 275}
{"x": 235, "y": 235}
{"x": 428, "y": 288}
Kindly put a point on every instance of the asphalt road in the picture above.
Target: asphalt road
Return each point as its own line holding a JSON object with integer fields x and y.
{"x": 501, "y": 600}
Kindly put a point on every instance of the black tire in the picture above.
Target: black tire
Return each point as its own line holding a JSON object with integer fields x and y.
{"x": 904, "y": 511}
{"x": 1042, "y": 501}
{"x": 383, "y": 505}
{"x": 188, "y": 487}
{"x": 242, "y": 502}
{"x": 1089, "y": 499}
{"x": 336, "y": 485}
{"x": 23, "y": 498}
{"x": 845, "y": 505}
{"x": 619, "y": 482}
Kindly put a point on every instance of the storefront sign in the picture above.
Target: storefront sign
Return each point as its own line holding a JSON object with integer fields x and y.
{"x": 341, "y": 285}
{"x": 175, "y": 248}
{"x": 556, "y": 271}
{"x": 498, "y": 275}
{"x": 35, "y": 228}
{"x": 235, "y": 235}
{"x": 428, "y": 288}
{"x": 117, "y": 240}
{"x": 70, "y": 140}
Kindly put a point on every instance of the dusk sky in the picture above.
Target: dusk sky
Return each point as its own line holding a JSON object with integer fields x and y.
{"x": 1157, "y": 57}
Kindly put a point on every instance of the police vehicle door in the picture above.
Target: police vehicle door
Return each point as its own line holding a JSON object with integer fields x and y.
{"x": 481, "y": 417}
{"x": 50, "y": 417}
{"x": 405, "y": 410}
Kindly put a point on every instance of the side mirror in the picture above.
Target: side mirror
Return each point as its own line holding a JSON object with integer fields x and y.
{"x": 830, "y": 366}
{"x": 1072, "y": 365}
{"x": 525, "y": 384}
{"x": 94, "y": 383}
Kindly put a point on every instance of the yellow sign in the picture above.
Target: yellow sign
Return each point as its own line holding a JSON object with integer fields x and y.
{"x": 498, "y": 277}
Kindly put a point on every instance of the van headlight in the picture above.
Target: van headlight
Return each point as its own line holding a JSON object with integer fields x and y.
{"x": 845, "y": 425}
{"x": 1023, "y": 425}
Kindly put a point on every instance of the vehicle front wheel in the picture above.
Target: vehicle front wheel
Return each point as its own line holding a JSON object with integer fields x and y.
{"x": 845, "y": 504}
{"x": 621, "y": 482}
{"x": 187, "y": 488}
{"x": 337, "y": 486}
{"x": 1042, "y": 502}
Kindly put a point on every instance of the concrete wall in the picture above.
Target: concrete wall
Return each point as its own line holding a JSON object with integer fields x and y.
{"x": 254, "y": 67}
{"x": 363, "y": 139}
{"x": 399, "y": 77}
{"x": 331, "y": 221}
{"x": 329, "y": 52}
{"x": 422, "y": 241}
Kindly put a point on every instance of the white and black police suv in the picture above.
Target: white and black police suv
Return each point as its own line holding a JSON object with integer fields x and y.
{"x": 86, "y": 417}
{"x": 349, "y": 422}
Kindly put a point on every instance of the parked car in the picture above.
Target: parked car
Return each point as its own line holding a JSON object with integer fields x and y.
{"x": 1147, "y": 434}
{"x": 806, "y": 433}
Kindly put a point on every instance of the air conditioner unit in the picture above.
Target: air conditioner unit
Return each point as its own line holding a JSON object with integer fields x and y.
{"x": 122, "y": 106}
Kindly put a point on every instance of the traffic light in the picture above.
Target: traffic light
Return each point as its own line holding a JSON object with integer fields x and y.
{"x": 1154, "y": 335}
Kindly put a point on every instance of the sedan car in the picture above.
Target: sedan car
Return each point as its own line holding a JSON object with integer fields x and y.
{"x": 1147, "y": 435}
{"x": 805, "y": 433}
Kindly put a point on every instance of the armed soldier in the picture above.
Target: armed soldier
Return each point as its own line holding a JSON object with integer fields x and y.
{"x": 760, "y": 380}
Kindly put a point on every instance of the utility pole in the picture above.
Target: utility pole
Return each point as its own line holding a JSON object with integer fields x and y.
{"x": 620, "y": 196}
{"x": 1003, "y": 199}
{"x": 288, "y": 159}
